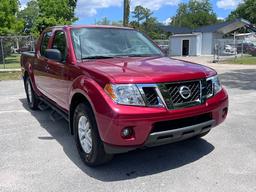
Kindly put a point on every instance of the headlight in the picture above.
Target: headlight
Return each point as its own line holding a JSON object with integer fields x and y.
{"x": 126, "y": 94}
{"x": 216, "y": 85}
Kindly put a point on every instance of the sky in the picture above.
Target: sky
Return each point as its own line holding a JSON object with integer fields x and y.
{"x": 91, "y": 11}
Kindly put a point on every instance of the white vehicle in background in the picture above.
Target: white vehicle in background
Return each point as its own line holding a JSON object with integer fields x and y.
{"x": 230, "y": 49}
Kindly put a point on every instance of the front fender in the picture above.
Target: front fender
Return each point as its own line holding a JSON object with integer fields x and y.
{"x": 100, "y": 102}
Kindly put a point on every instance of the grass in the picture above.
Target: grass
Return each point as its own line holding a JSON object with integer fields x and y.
{"x": 11, "y": 62}
{"x": 245, "y": 60}
{"x": 10, "y": 75}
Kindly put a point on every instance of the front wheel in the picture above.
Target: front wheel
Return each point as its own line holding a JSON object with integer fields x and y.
{"x": 32, "y": 98}
{"x": 89, "y": 144}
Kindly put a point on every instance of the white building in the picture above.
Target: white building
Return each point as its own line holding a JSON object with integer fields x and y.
{"x": 201, "y": 41}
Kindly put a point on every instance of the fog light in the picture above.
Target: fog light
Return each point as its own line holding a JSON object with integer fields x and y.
{"x": 127, "y": 132}
{"x": 224, "y": 112}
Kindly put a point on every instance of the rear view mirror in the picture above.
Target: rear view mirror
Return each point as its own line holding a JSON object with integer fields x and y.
{"x": 53, "y": 54}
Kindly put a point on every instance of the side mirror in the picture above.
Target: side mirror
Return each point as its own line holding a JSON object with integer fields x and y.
{"x": 53, "y": 54}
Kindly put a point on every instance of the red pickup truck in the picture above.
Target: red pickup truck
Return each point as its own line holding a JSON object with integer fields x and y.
{"x": 118, "y": 90}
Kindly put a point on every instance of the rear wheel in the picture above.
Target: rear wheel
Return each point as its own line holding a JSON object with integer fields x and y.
{"x": 89, "y": 144}
{"x": 32, "y": 98}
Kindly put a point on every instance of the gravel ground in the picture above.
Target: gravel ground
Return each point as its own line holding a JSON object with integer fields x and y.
{"x": 37, "y": 154}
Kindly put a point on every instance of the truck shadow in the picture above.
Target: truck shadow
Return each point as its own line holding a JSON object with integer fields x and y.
{"x": 127, "y": 166}
{"x": 244, "y": 79}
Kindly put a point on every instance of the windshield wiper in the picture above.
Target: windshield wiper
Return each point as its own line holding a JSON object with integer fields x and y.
{"x": 97, "y": 57}
{"x": 142, "y": 55}
{"x": 119, "y": 56}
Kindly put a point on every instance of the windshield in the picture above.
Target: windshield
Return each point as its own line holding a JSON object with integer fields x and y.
{"x": 111, "y": 42}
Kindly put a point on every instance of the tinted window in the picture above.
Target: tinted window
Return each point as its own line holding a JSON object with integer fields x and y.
{"x": 44, "y": 44}
{"x": 59, "y": 42}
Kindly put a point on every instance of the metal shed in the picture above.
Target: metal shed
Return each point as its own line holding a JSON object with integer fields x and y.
{"x": 200, "y": 41}
{"x": 186, "y": 44}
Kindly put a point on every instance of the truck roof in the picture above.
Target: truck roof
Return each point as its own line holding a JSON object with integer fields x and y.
{"x": 87, "y": 26}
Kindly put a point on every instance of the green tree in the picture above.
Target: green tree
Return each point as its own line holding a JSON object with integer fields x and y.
{"x": 194, "y": 14}
{"x": 9, "y": 23}
{"x": 147, "y": 14}
{"x": 245, "y": 10}
{"x": 117, "y": 23}
{"x": 139, "y": 13}
{"x": 29, "y": 15}
{"x": 181, "y": 18}
{"x": 60, "y": 10}
{"x": 151, "y": 28}
{"x": 52, "y": 12}
{"x": 148, "y": 19}
{"x": 104, "y": 21}
{"x": 145, "y": 22}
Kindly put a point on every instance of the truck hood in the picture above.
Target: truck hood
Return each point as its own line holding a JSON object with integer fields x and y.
{"x": 146, "y": 70}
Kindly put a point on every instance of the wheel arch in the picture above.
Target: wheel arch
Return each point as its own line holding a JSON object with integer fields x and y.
{"x": 77, "y": 98}
{"x": 89, "y": 91}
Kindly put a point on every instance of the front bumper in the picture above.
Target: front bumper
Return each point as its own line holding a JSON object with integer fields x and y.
{"x": 170, "y": 136}
{"x": 142, "y": 120}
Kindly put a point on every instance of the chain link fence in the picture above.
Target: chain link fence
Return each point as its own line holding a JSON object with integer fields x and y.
{"x": 164, "y": 45}
{"x": 11, "y": 48}
{"x": 225, "y": 49}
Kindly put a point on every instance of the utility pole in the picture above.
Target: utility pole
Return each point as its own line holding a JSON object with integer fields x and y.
{"x": 2, "y": 49}
{"x": 126, "y": 12}
{"x": 235, "y": 45}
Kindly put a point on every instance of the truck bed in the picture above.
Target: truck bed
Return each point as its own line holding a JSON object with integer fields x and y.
{"x": 27, "y": 57}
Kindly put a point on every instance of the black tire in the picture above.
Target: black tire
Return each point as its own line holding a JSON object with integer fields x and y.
{"x": 97, "y": 155}
{"x": 32, "y": 98}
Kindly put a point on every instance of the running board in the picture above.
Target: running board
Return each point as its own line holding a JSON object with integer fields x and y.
{"x": 57, "y": 113}
{"x": 43, "y": 106}
{"x": 54, "y": 116}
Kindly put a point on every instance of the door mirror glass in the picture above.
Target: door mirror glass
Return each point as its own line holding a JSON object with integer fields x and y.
{"x": 53, "y": 54}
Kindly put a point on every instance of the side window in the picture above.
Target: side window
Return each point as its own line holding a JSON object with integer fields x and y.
{"x": 59, "y": 42}
{"x": 44, "y": 43}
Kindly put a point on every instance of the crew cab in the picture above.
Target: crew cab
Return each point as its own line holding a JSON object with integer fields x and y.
{"x": 118, "y": 90}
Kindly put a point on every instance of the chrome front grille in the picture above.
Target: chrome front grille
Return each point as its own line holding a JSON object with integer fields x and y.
{"x": 209, "y": 87}
{"x": 176, "y": 96}
{"x": 151, "y": 97}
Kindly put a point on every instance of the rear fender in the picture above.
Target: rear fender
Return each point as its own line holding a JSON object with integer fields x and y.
{"x": 28, "y": 68}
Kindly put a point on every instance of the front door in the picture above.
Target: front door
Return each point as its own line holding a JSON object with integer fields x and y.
{"x": 57, "y": 75}
{"x": 185, "y": 47}
{"x": 40, "y": 64}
